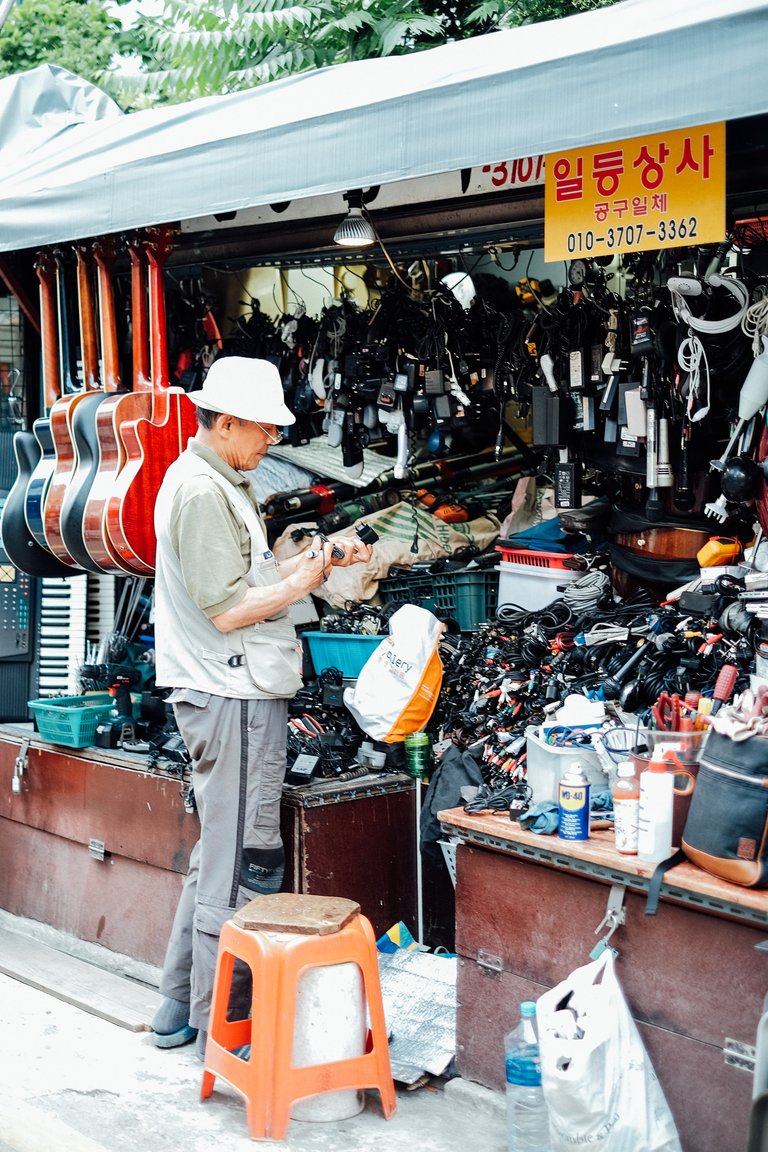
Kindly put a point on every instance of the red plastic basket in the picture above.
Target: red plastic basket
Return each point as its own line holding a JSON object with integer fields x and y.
{"x": 535, "y": 559}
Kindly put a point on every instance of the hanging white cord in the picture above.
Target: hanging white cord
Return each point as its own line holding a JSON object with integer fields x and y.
{"x": 690, "y": 356}
{"x": 683, "y": 312}
{"x": 754, "y": 322}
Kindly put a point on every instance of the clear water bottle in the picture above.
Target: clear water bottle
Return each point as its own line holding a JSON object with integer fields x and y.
{"x": 527, "y": 1118}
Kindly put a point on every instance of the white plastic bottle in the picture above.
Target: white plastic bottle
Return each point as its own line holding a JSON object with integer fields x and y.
{"x": 527, "y": 1116}
{"x": 657, "y": 794}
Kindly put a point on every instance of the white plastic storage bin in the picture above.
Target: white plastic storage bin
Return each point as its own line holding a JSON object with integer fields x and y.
{"x": 532, "y": 588}
{"x": 545, "y": 765}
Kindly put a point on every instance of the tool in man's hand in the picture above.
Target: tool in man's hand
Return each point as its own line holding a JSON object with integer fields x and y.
{"x": 365, "y": 534}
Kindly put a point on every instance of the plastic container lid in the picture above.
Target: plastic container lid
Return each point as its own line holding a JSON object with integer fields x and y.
{"x": 658, "y": 760}
{"x": 528, "y": 1008}
{"x": 626, "y": 768}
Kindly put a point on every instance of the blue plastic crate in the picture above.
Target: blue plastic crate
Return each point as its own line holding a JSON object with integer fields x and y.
{"x": 344, "y": 651}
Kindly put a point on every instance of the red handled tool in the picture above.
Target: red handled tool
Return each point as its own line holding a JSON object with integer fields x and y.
{"x": 724, "y": 686}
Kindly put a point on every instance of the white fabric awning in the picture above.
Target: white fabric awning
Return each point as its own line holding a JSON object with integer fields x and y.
{"x": 73, "y": 166}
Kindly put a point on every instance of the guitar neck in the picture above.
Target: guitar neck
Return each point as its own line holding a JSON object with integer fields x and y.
{"x": 158, "y": 250}
{"x": 103, "y": 254}
{"x": 139, "y": 318}
{"x": 67, "y": 384}
{"x": 46, "y": 274}
{"x": 89, "y": 349}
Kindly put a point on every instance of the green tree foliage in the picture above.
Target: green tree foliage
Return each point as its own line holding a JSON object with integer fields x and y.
{"x": 202, "y": 47}
{"x": 198, "y": 48}
{"x": 76, "y": 34}
{"x": 511, "y": 15}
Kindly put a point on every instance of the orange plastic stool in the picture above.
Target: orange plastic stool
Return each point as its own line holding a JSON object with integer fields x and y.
{"x": 324, "y": 930}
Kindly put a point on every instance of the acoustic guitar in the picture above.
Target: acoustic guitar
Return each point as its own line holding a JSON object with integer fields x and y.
{"x": 151, "y": 444}
{"x": 26, "y": 551}
{"x": 84, "y": 415}
{"x": 117, "y": 409}
{"x": 39, "y": 481}
{"x": 63, "y": 410}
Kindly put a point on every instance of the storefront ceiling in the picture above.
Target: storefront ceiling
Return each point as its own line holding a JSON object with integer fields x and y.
{"x": 73, "y": 166}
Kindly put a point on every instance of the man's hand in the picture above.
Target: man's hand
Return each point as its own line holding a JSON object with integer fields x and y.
{"x": 355, "y": 552}
{"x": 312, "y": 566}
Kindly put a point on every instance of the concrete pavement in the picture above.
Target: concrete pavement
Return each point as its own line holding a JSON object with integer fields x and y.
{"x": 73, "y": 1082}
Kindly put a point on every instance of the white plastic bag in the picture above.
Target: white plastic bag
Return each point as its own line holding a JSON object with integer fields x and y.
{"x": 397, "y": 689}
{"x": 600, "y": 1088}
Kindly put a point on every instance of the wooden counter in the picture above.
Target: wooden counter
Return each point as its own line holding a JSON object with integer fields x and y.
{"x": 597, "y": 856}
{"x": 96, "y": 843}
{"x": 529, "y": 910}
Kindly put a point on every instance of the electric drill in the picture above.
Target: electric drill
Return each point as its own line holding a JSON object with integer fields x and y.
{"x": 117, "y": 679}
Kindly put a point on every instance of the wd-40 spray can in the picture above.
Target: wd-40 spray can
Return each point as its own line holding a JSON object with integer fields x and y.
{"x": 573, "y": 805}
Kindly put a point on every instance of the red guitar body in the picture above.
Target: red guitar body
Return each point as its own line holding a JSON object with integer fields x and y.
{"x": 152, "y": 446}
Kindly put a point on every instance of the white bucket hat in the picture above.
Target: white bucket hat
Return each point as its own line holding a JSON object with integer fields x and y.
{"x": 244, "y": 387}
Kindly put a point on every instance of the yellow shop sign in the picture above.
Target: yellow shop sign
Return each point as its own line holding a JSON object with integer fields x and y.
{"x": 661, "y": 191}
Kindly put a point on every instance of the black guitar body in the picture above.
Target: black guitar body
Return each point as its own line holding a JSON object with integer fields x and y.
{"x": 40, "y": 480}
{"x": 21, "y": 547}
{"x": 86, "y": 444}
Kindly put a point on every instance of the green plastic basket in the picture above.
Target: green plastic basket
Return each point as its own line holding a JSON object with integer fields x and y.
{"x": 71, "y": 720}
{"x": 476, "y": 592}
{"x": 407, "y": 589}
{"x": 468, "y": 595}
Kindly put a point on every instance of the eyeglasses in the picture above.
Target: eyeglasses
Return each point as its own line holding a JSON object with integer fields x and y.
{"x": 274, "y": 438}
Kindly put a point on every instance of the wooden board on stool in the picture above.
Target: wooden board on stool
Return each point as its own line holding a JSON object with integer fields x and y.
{"x": 293, "y": 912}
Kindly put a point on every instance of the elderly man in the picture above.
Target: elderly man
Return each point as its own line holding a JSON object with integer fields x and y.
{"x": 226, "y": 646}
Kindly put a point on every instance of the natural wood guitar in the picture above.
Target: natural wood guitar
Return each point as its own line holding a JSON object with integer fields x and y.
{"x": 116, "y": 410}
{"x": 84, "y": 416}
{"x": 63, "y": 411}
{"x": 151, "y": 444}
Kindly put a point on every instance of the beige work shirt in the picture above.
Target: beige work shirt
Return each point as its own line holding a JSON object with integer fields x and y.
{"x": 209, "y": 537}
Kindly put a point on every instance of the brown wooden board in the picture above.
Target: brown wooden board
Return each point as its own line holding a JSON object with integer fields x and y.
{"x": 599, "y": 850}
{"x": 297, "y": 912}
{"x": 681, "y": 969}
{"x": 101, "y": 993}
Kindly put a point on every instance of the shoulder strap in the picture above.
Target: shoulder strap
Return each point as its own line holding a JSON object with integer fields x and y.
{"x": 240, "y": 501}
{"x": 654, "y": 888}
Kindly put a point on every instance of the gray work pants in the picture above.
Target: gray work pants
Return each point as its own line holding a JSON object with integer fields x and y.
{"x": 238, "y": 753}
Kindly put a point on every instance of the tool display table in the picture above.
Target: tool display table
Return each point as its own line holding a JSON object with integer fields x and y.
{"x": 530, "y": 908}
{"x": 96, "y": 843}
